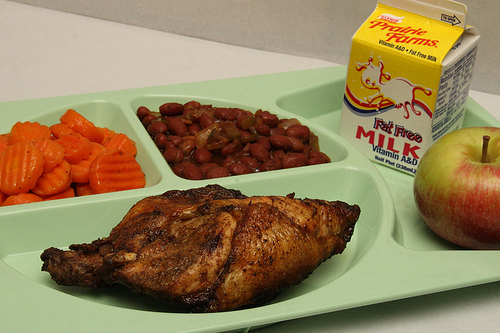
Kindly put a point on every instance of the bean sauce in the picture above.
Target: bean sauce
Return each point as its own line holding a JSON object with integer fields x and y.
{"x": 205, "y": 142}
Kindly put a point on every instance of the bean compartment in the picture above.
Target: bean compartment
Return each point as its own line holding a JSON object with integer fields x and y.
{"x": 201, "y": 141}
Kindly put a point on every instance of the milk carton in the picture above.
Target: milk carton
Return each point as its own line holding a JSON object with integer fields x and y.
{"x": 408, "y": 79}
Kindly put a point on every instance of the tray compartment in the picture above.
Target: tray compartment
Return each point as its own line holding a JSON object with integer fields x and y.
{"x": 48, "y": 228}
{"x": 322, "y": 104}
{"x": 329, "y": 144}
{"x": 102, "y": 113}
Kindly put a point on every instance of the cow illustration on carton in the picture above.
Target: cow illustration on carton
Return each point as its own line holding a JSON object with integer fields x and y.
{"x": 397, "y": 91}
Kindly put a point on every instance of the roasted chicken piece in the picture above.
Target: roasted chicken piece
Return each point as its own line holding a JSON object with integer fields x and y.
{"x": 210, "y": 249}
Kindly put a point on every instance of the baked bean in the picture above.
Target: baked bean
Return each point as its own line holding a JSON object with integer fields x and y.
{"x": 217, "y": 172}
{"x": 173, "y": 155}
{"x": 194, "y": 128}
{"x": 203, "y": 156}
{"x": 206, "y": 120}
{"x": 285, "y": 123}
{"x": 171, "y": 109}
{"x": 297, "y": 145}
{"x": 142, "y": 112}
{"x": 239, "y": 169}
{"x": 245, "y": 150}
{"x": 264, "y": 130}
{"x": 192, "y": 172}
{"x": 207, "y": 167}
{"x": 157, "y": 127}
{"x": 320, "y": 155}
{"x": 277, "y": 131}
{"x": 269, "y": 119}
{"x": 147, "y": 120}
{"x": 169, "y": 144}
{"x": 280, "y": 141}
{"x": 264, "y": 140}
{"x": 315, "y": 160}
{"x": 307, "y": 149}
{"x": 160, "y": 140}
{"x": 271, "y": 164}
{"x": 228, "y": 161}
{"x": 231, "y": 148}
{"x": 279, "y": 153}
{"x": 259, "y": 152}
{"x": 191, "y": 113}
{"x": 175, "y": 139}
{"x": 192, "y": 104}
{"x": 226, "y": 114}
{"x": 298, "y": 131}
{"x": 250, "y": 161}
{"x": 176, "y": 126}
{"x": 177, "y": 169}
{"x": 293, "y": 160}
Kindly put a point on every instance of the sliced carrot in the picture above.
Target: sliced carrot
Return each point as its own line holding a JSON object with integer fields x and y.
{"x": 76, "y": 147}
{"x": 82, "y": 125}
{"x": 60, "y": 129}
{"x": 3, "y": 196}
{"x": 28, "y": 131}
{"x": 3, "y": 146}
{"x": 5, "y": 138}
{"x": 52, "y": 152}
{"x": 55, "y": 181}
{"x": 81, "y": 171}
{"x": 122, "y": 142}
{"x": 21, "y": 198}
{"x": 69, "y": 193}
{"x": 21, "y": 164}
{"x": 106, "y": 133}
{"x": 114, "y": 170}
{"x": 83, "y": 189}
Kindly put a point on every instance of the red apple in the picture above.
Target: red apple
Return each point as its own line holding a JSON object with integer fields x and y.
{"x": 457, "y": 187}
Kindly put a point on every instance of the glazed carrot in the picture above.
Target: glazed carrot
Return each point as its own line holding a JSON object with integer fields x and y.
{"x": 2, "y": 197}
{"x": 83, "y": 189}
{"x": 21, "y": 198}
{"x": 122, "y": 142}
{"x": 81, "y": 171}
{"x": 21, "y": 164}
{"x": 3, "y": 145}
{"x": 5, "y": 138}
{"x": 106, "y": 134}
{"x": 55, "y": 181}
{"x": 69, "y": 193}
{"x": 113, "y": 171}
{"x": 82, "y": 125}
{"x": 52, "y": 152}
{"x": 28, "y": 131}
{"x": 76, "y": 147}
{"x": 60, "y": 129}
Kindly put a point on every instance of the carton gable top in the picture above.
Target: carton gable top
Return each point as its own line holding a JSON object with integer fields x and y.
{"x": 420, "y": 29}
{"x": 446, "y": 11}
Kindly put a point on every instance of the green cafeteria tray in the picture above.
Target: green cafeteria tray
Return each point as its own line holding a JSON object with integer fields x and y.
{"x": 392, "y": 255}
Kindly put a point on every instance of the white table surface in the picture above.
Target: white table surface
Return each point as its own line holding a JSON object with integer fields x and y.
{"x": 46, "y": 53}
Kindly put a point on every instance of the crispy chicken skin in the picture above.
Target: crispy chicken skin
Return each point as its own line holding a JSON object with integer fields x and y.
{"x": 210, "y": 249}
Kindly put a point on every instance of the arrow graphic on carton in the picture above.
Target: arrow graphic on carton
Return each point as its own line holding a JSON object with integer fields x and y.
{"x": 454, "y": 20}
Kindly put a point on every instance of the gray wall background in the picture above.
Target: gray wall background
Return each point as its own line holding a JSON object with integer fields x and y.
{"x": 320, "y": 29}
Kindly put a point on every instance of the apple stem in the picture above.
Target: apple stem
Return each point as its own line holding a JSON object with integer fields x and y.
{"x": 486, "y": 140}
